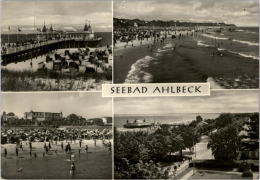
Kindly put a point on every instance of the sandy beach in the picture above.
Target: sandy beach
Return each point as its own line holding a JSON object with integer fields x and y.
{"x": 189, "y": 62}
{"x": 94, "y": 164}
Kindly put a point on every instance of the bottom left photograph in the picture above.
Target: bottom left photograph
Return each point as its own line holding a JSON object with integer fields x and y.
{"x": 56, "y": 135}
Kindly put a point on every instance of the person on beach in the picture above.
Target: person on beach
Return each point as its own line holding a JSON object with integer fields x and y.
{"x": 49, "y": 145}
{"x": 68, "y": 147}
{"x": 16, "y": 151}
{"x": 5, "y": 151}
{"x": 61, "y": 145}
{"x": 30, "y": 145}
{"x": 167, "y": 173}
{"x": 109, "y": 147}
{"x": 35, "y": 155}
{"x": 86, "y": 148}
{"x": 173, "y": 46}
{"x": 72, "y": 168}
{"x": 80, "y": 142}
{"x": 95, "y": 142}
{"x": 21, "y": 146}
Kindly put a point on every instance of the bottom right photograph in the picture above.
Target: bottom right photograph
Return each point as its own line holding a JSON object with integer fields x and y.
{"x": 207, "y": 137}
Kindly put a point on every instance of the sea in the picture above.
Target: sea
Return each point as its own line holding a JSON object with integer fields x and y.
{"x": 176, "y": 118}
{"x": 244, "y": 42}
{"x": 14, "y": 37}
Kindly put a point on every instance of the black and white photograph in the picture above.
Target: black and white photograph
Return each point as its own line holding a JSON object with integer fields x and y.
{"x": 129, "y": 89}
{"x": 210, "y": 137}
{"x": 61, "y": 45}
{"x": 56, "y": 136}
{"x": 181, "y": 41}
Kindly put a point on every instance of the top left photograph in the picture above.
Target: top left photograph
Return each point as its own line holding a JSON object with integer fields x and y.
{"x": 63, "y": 45}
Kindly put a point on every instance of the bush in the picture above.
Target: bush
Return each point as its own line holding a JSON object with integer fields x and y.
{"x": 214, "y": 164}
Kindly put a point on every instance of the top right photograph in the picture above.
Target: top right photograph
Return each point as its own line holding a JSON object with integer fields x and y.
{"x": 177, "y": 41}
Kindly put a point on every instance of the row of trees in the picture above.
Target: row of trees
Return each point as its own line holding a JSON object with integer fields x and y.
{"x": 126, "y": 23}
{"x": 136, "y": 150}
{"x": 138, "y": 154}
{"x": 225, "y": 142}
{"x": 70, "y": 120}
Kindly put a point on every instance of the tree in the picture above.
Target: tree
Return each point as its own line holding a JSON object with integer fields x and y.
{"x": 254, "y": 126}
{"x": 223, "y": 120}
{"x": 225, "y": 143}
{"x": 158, "y": 146}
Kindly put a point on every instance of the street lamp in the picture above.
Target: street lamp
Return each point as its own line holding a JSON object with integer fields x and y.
{"x": 193, "y": 159}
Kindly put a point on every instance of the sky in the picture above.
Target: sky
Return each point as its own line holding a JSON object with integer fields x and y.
{"x": 235, "y": 101}
{"x": 239, "y": 12}
{"x": 88, "y": 105}
{"x": 65, "y": 12}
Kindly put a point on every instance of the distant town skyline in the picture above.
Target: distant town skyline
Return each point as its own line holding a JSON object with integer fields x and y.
{"x": 62, "y": 12}
{"x": 236, "y": 101}
{"x": 238, "y": 12}
{"x": 87, "y": 105}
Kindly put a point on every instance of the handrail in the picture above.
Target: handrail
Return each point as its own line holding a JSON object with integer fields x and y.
{"x": 10, "y": 50}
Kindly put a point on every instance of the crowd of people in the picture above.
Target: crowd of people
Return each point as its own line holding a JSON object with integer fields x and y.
{"x": 125, "y": 35}
{"x": 58, "y": 141}
{"x": 41, "y": 135}
{"x": 156, "y": 35}
{"x": 7, "y": 46}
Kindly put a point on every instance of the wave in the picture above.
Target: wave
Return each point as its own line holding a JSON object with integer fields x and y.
{"x": 161, "y": 50}
{"x": 252, "y": 32}
{"x": 248, "y": 56}
{"x": 214, "y": 37}
{"x": 201, "y": 43}
{"x": 137, "y": 74}
{"x": 221, "y": 49}
{"x": 246, "y": 42}
{"x": 213, "y": 83}
{"x": 239, "y": 53}
{"x": 157, "y": 54}
{"x": 246, "y": 31}
{"x": 167, "y": 46}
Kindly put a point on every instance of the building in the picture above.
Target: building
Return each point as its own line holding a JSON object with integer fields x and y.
{"x": 105, "y": 121}
{"x": 42, "y": 116}
{"x": 8, "y": 116}
{"x": 86, "y": 33}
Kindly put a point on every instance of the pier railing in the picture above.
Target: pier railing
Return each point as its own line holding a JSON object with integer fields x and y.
{"x": 11, "y": 50}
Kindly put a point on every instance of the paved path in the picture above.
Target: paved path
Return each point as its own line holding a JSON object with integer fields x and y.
{"x": 202, "y": 152}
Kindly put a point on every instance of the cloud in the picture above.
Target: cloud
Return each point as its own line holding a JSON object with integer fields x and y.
{"x": 88, "y": 104}
{"x": 57, "y": 12}
{"x": 239, "y": 12}
{"x": 235, "y": 101}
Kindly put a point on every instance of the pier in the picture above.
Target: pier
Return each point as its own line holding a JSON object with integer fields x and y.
{"x": 22, "y": 53}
